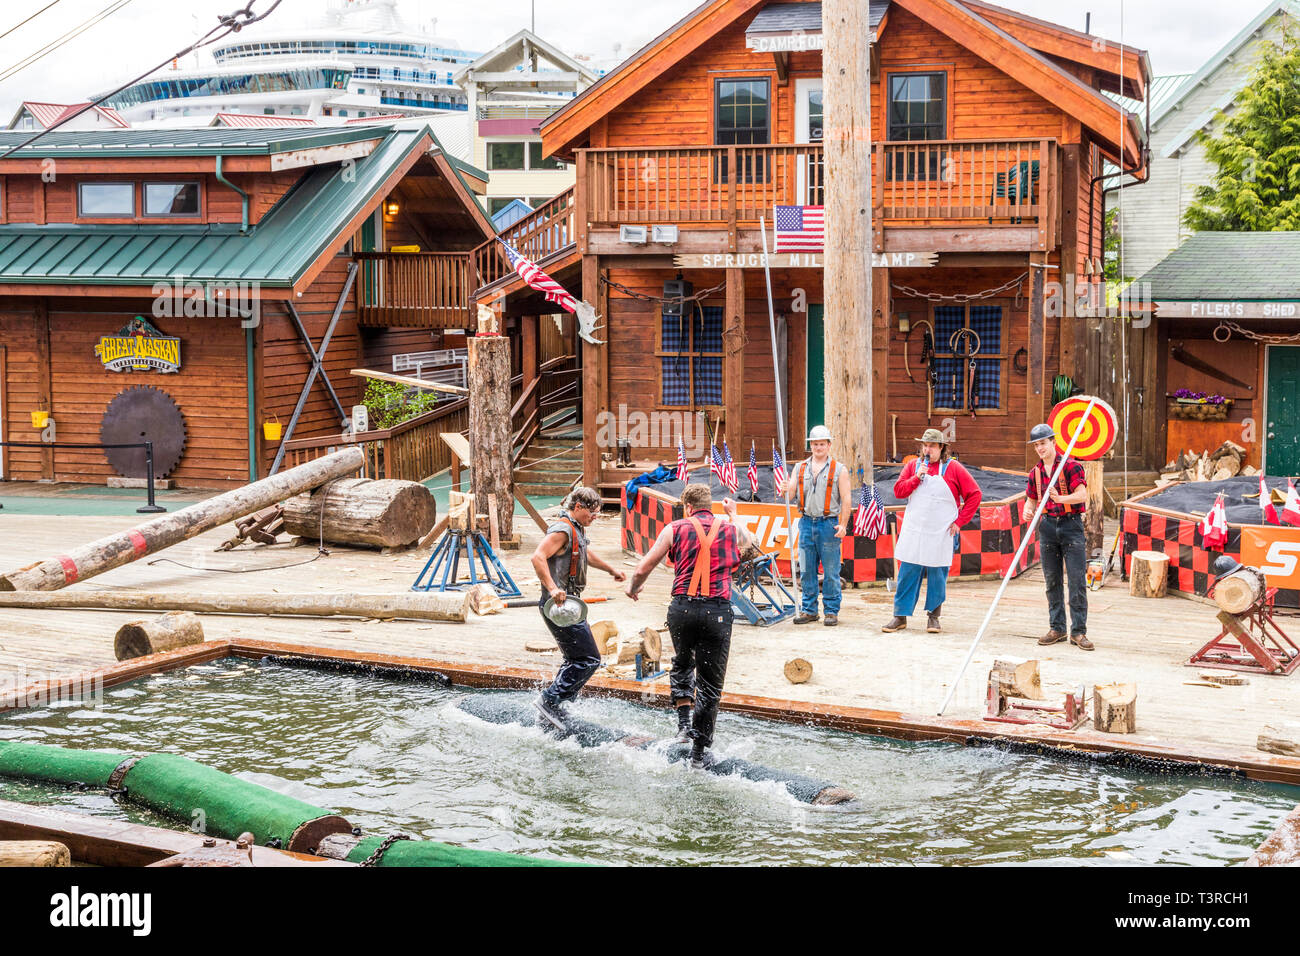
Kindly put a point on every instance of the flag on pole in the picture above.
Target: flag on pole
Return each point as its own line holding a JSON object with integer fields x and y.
{"x": 752, "y": 471}
{"x": 1266, "y": 503}
{"x": 729, "y": 469}
{"x": 1291, "y": 510}
{"x": 800, "y": 228}
{"x": 683, "y": 470}
{"x": 716, "y": 466}
{"x": 778, "y": 470}
{"x": 869, "y": 521}
{"x": 1214, "y": 526}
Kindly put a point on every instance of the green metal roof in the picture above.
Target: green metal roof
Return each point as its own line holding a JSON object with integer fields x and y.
{"x": 1237, "y": 266}
{"x": 276, "y": 252}
{"x": 205, "y": 141}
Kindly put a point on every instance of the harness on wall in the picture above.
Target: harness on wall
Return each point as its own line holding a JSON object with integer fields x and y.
{"x": 972, "y": 340}
{"x": 830, "y": 485}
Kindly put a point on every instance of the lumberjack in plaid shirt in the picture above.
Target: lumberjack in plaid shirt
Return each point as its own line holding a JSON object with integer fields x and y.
{"x": 1071, "y": 480}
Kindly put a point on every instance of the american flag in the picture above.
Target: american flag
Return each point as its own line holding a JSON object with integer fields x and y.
{"x": 539, "y": 280}
{"x": 800, "y": 228}
{"x": 870, "y": 520}
{"x": 724, "y": 468}
{"x": 752, "y": 471}
{"x": 683, "y": 471}
{"x": 778, "y": 469}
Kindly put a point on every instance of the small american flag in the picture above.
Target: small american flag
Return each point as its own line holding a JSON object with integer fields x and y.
{"x": 800, "y": 228}
{"x": 778, "y": 469}
{"x": 716, "y": 465}
{"x": 752, "y": 471}
{"x": 683, "y": 471}
{"x": 870, "y": 520}
{"x": 729, "y": 470}
{"x": 539, "y": 280}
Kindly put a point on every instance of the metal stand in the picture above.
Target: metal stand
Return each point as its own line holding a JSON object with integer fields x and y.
{"x": 1066, "y": 715}
{"x": 648, "y": 670}
{"x": 1251, "y": 642}
{"x": 442, "y": 572}
{"x": 747, "y": 580}
{"x": 151, "y": 507}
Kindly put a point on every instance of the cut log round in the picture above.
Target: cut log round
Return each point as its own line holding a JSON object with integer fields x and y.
{"x": 625, "y": 651}
{"x": 1114, "y": 708}
{"x": 431, "y": 606}
{"x": 484, "y": 600}
{"x": 652, "y": 644}
{"x": 1149, "y": 574}
{"x": 606, "y": 635}
{"x": 541, "y": 646}
{"x": 1238, "y": 592}
{"x": 798, "y": 671}
{"x": 1015, "y": 677}
{"x": 361, "y": 512}
{"x": 1226, "y": 678}
{"x": 34, "y": 853}
{"x": 166, "y": 633}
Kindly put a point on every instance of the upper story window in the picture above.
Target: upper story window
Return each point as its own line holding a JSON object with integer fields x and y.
{"x": 116, "y": 200}
{"x": 505, "y": 156}
{"x": 743, "y": 113}
{"x": 535, "y": 160}
{"x": 918, "y": 106}
{"x": 171, "y": 199}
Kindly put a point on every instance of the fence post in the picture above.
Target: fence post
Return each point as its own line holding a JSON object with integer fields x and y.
{"x": 152, "y": 507}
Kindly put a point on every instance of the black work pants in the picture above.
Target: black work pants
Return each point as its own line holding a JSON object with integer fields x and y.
{"x": 701, "y": 632}
{"x": 581, "y": 659}
{"x": 1063, "y": 550}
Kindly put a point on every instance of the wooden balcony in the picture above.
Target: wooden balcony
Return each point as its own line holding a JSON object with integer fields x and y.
{"x": 939, "y": 195}
{"x": 550, "y": 229}
{"x": 424, "y": 290}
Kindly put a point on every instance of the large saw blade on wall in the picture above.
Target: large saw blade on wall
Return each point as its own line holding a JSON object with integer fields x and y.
{"x": 138, "y": 414}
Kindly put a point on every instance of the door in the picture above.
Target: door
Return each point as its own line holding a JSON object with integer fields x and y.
{"x": 808, "y": 129}
{"x": 816, "y": 377}
{"x": 1282, "y": 411}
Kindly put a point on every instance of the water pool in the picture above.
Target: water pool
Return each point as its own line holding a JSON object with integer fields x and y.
{"x": 393, "y": 756}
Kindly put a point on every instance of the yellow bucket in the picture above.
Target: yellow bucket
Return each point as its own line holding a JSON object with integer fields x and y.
{"x": 271, "y": 431}
{"x": 40, "y": 419}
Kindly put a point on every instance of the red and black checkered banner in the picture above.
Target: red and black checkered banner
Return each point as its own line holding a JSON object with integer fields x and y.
{"x": 986, "y": 545}
{"x": 1275, "y": 551}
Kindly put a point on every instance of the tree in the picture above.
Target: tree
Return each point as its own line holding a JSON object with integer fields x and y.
{"x": 1257, "y": 186}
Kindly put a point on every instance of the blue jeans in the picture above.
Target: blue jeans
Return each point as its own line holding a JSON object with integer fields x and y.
{"x": 1065, "y": 555}
{"x": 581, "y": 660}
{"x": 909, "y": 588}
{"x": 818, "y": 545}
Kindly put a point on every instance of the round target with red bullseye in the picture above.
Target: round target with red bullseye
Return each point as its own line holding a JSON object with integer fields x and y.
{"x": 1099, "y": 431}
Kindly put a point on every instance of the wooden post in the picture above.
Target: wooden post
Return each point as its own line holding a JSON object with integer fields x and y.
{"x": 1149, "y": 574}
{"x": 593, "y": 360}
{"x": 1094, "y": 519}
{"x": 431, "y": 606}
{"x": 1114, "y": 708}
{"x": 489, "y": 426}
{"x": 1036, "y": 360}
{"x": 174, "y": 629}
{"x": 848, "y": 287}
{"x": 27, "y": 853}
{"x": 733, "y": 361}
{"x": 44, "y": 378}
{"x": 881, "y": 324}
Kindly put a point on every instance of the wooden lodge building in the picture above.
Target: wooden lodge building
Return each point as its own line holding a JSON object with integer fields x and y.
{"x": 184, "y": 261}
{"x": 990, "y": 132}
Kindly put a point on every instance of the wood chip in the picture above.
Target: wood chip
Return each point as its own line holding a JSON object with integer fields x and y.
{"x": 1202, "y": 683}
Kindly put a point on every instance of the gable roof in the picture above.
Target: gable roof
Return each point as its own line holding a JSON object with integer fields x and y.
{"x": 508, "y": 54}
{"x": 258, "y": 120}
{"x": 47, "y": 114}
{"x": 1218, "y": 266}
{"x": 201, "y": 141}
{"x": 960, "y": 22}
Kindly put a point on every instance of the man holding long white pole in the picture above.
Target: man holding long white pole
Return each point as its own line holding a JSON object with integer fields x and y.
{"x": 1060, "y": 536}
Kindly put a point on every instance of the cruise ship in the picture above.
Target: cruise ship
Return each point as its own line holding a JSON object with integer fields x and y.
{"x": 361, "y": 59}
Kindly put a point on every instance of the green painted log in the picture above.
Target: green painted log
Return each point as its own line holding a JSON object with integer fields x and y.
{"x": 426, "y": 853}
{"x": 91, "y": 768}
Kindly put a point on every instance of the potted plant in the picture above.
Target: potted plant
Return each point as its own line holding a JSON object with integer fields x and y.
{"x": 1199, "y": 406}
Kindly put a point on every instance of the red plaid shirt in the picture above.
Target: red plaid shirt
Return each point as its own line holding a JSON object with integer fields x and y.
{"x": 686, "y": 545}
{"x": 1071, "y": 480}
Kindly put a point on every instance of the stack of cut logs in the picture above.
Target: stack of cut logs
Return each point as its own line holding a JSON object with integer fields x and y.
{"x": 1227, "y": 461}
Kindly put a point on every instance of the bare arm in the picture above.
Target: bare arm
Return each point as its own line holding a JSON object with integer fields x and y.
{"x": 846, "y": 504}
{"x": 548, "y": 548}
{"x": 596, "y": 561}
{"x": 650, "y": 562}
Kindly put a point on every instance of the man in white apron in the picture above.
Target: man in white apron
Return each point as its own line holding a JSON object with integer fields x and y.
{"x": 941, "y": 498}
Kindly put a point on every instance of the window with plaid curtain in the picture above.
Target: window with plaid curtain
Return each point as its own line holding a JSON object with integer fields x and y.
{"x": 953, "y": 370}
{"x": 690, "y": 357}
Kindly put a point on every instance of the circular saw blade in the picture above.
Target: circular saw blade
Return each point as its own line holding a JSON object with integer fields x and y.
{"x": 138, "y": 414}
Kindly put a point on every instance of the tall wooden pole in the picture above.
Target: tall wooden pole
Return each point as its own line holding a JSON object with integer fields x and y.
{"x": 846, "y": 73}
{"x": 489, "y": 428}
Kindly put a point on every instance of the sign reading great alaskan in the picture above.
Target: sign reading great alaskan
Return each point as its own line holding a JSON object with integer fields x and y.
{"x": 139, "y": 347}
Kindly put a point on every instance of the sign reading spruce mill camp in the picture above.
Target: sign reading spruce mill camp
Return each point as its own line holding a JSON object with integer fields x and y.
{"x": 139, "y": 347}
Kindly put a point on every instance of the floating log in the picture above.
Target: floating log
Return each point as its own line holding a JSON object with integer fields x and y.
{"x": 361, "y": 512}
{"x": 1016, "y": 677}
{"x": 431, "y": 606}
{"x": 34, "y": 853}
{"x": 169, "y": 529}
{"x": 1278, "y": 740}
{"x": 798, "y": 671}
{"x": 1149, "y": 574}
{"x": 1239, "y": 592}
{"x": 168, "y": 632}
{"x": 1114, "y": 708}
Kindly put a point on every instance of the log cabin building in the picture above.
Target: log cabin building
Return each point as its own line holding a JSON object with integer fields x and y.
{"x": 990, "y": 131}
{"x": 166, "y": 275}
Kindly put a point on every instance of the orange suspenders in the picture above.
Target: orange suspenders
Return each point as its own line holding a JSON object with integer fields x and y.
{"x": 1060, "y": 484}
{"x": 574, "y": 553}
{"x": 830, "y": 485}
{"x": 700, "y": 581}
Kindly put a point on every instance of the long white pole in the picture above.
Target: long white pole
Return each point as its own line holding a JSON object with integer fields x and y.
{"x": 780, "y": 408}
{"x": 1015, "y": 562}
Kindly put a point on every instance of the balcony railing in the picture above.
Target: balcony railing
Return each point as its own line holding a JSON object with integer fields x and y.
{"x": 548, "y": 229}
{"x": 426, "y": 290}
{"x": 937, "y": 182}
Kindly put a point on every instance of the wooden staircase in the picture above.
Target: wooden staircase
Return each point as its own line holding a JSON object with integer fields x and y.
{"x": 551, "y": 464}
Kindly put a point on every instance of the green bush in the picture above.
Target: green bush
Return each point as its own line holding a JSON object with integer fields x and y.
{"x": 391, "y": 404}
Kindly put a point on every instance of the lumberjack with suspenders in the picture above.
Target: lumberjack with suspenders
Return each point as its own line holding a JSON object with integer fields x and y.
{"x": 1061, "y": 538}
{"x": 822, "y": 485}
{"x": 704, "y": 549}
{"x": 561, "y": 561}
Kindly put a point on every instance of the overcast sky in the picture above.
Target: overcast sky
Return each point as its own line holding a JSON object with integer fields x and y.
{"x": 1179, "y": 34}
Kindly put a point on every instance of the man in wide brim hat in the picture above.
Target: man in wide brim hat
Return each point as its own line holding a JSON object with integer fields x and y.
{"x": 941, "y": 497}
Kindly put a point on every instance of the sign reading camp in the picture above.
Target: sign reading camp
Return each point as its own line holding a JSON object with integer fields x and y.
{"x": 139, "y": 347}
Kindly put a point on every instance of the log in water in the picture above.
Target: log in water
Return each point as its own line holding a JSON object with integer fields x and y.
{"x": 513, "y": 708}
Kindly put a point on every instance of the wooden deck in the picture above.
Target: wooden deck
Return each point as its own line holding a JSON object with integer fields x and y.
{"x": 855, "y": 665}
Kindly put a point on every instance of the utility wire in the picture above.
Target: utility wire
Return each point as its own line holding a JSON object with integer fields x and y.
{"x": 29, "y": 19}
{"x": 226, "y": 25}
{"x": 53, "y": 45}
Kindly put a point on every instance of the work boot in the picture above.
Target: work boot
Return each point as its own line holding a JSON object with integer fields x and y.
{"x": 803, "y": 617}
{"x": 932, "y": 621}
{"x": 1051, "y": 637}
{"x": 897, "y": 624}
{"x": 683, "y": 723}
{"x": 1081, "y": 642}
{"x": 832, "y": 620}
{"x": 700, "y": 757}
{"x": 549, "y": 710}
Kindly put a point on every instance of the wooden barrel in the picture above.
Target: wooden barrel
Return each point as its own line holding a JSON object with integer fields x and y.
{"x": 1239, "y": 591}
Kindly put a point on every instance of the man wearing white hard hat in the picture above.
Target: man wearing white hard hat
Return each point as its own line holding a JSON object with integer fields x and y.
{"x": 820, "y": 484}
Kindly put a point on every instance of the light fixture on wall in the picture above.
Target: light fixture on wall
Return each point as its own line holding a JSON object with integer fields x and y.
{"x": 391, "y": 208}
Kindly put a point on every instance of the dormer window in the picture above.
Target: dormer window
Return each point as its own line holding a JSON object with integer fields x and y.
{"x": 106, "y": 200}
{"x": 171, "y": 199}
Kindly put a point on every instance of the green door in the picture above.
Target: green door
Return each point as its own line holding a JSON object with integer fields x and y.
{"x": 816, "y": 377}
{"x": 1283, "y": 410}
